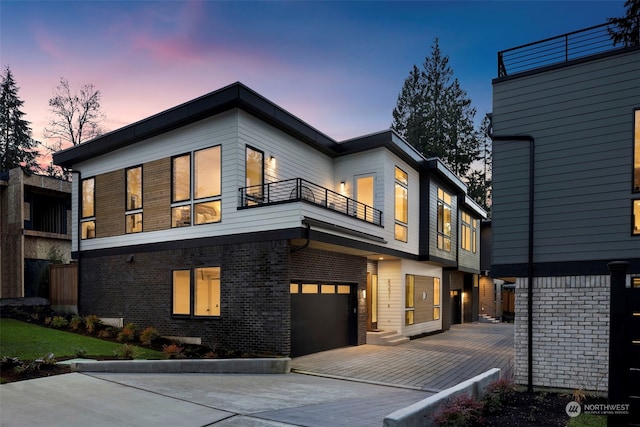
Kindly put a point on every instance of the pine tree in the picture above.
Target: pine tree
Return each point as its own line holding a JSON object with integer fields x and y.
{"x": 17, "y": 146}
{"x": 627, "y": 30}
{"x": 435, "y": 116}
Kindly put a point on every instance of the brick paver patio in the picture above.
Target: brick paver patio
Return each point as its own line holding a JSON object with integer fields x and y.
{"x": 430, "y": 363}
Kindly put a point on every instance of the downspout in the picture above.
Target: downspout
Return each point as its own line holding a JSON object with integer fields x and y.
{"x": 532, "y": 151}
{"x": 79, "y": 236}
{"x": 307, "y": 232}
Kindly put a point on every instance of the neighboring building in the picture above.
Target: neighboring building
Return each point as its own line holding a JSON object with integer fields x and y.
{"x": 228, "y": 220}
{"x": 566, "y": 197}
{"x": 35, "y": 223}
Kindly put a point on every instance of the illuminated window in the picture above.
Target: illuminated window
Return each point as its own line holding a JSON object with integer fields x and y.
{"x": 401, "y": 204}
{"x": 436, "y": 298}
{"x": 205, "y": 173}
{"x": 204, "y": 285}
{"x": 88, "y": 220}
{"x": 444, "y": 220}
{"x": 636, "y": 217}
{"x": 254, "y": 172}
{"x": 636, "y": 152}
{"x": 409, "y": 301}
{"x": 133, "y": 215}
{"x": 469, "y": 233}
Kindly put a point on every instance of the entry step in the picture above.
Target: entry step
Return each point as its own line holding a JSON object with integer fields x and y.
{"x": 385, "y": 338}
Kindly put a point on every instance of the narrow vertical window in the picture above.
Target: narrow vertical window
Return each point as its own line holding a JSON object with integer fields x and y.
{"x": 401, "y": 204}
{"x": 636, "y": 151}
{"x": 181, "y": 292}
{"x": 409, "y": 301}
{"x": 207, "y": 292}
{"x": 636, "y": 217}
{"x": 465, "y": 240}
{"x": 254, "y": 172}
{"x": 181, "y": 190}
{"x": 436, "y": 298}
{"x": 444, "y": 220}
{"x": 364, "y": 197}
{"x": 133, "y": 214}
{"x": 88, "y": 220}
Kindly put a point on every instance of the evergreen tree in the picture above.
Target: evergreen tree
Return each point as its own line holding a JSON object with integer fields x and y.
{"x": 479, "y": 179}
{"x": 435, "y": 116}
{"x": 17, "y": 146}
{"x": 627, "y": 30}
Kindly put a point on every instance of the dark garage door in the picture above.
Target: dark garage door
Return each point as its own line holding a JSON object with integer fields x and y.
{"x": 322, "y": 317}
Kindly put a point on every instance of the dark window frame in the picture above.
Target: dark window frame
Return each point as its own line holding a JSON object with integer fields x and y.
{"x": 192, "y": 294}
{"x": 134, "y": 211}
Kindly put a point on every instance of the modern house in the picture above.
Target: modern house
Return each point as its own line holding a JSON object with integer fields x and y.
{"x": 232, "y": 222}
{"x": 35, "y": 223}
{"x": 566, "y": 198}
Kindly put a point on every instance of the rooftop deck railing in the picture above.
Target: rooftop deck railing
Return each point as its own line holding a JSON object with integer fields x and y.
{"x": 557, "y": 50}
{"x": 300, "y": 190}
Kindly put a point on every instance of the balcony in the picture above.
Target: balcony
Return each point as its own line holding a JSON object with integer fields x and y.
{"x": 300, "y": 190}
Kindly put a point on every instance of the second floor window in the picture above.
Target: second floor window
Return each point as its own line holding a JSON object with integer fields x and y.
{"x": 196, "y": 187}
{"x": 254, "y": 173}
{"x": 444, "y": 220}
{"x": 401, "y": 204}
{"x": 88, "y": 215}
{"x": 469, "y": 233}
{"x": 133, "y": 215}
{"x": 636, "y": 151}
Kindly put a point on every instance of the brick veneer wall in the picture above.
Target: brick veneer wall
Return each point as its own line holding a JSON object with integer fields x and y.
{"x": 255, "y": 301}
{"x": 316, "y": 266}
{"x": 570, "y": 332}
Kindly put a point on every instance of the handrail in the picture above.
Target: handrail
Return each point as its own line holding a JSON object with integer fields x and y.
{"x": 557, "y": 50}
{"x": 301, "y": 190}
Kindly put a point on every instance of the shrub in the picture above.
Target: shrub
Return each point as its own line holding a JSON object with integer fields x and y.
{"x": 460, "y": 411}
{"x": 497, "y": 393}
{"x": 91, "y": 322}
{"x": 108, "y": 332}
{"x": 149, "y": 335}
{"x": 127, "y": 351}
{"x": 173, "y": 351}
{"x": 128, "y": 333}
{"x": 75, "y": 322}
{"x": 59, "y": 322}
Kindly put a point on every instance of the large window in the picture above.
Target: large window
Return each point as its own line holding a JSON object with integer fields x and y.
{"x": 133, "y": 214}
{"x": 198, "y": 203}
{"x": 88, "y": 217}
{"x": 469, "y": 233}
{"x": 636, "y": 152}
{"x": 422, "y": 299}
{"x": 444, "y": 220}
{"x": 401, "y": 204}
{"x": 254, "y": 173}
{"x": 364, "y": 195}
{"x": 201, "y": 283}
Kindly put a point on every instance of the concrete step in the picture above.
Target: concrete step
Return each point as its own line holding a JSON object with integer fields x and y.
{"x": 385, "y": 338}
{"x": 485, "y": 318}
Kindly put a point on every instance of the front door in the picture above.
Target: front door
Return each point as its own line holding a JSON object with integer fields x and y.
{"x": 456, "y": 307}
{"x": 365, "y": 195}
{"x": 372, "y": 302}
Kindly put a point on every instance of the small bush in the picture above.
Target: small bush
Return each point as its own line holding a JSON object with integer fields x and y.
{"x": 128, "y": 333}
{"x": 80, "y": 352}
{"x": 91, "y": 322}
{"x": 127, "y": 351}
{"x": 173, "y": 351}
{"x": 59, "y": 322}
{"x": 108, "y": 332}
{"x": 461, "y": 411}
{"x": 149, "y": 335}
{"x": 75, "y": 322}
{"x": 497, "y": 393}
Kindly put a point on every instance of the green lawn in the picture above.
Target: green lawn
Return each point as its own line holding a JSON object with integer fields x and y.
{"x": 27, "y": 342}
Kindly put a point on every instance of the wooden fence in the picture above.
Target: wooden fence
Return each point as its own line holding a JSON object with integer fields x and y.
{"x": 63, "y": 286}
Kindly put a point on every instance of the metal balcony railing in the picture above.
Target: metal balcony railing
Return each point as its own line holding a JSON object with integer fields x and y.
{"x": 300, "y": 190}
{"x": 557, "y": 50}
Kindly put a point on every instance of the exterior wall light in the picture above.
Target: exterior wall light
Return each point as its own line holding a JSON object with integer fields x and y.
{"x": 364, "y": 293}
{"x": 342, "y": 186}
{"x": 272, "y": 161}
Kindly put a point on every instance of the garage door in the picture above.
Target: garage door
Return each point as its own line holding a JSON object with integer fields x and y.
{"x": 322, "y": 317}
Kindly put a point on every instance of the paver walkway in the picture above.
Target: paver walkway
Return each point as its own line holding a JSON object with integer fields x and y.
{"x": 430, "y": 363}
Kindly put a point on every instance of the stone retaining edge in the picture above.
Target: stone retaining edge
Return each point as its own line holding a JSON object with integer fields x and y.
{"x": 421, "y": 413}
{"x": 202, "y": 366}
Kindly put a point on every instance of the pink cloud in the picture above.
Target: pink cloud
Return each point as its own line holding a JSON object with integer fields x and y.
{"x": 48, "y": 43}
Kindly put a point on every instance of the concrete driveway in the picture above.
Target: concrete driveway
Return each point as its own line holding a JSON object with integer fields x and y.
{"x": 354, "y": 386}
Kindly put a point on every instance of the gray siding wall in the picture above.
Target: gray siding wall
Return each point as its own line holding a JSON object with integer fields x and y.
{"x": 468, "y": 259}
{"x": 581, "y": 117}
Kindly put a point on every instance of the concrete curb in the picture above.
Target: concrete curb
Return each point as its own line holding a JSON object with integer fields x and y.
{"x": 201, "y": 366}
{"x": 421, "y": 414}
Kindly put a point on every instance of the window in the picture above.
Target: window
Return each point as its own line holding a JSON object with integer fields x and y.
{"x": 636, "y": 151}
{"x": 436, "y": 298}
{"x": 203, "y": 168}
{"x": 636, "y": 217}
{"x": 444, "y": 220}
{"x": 409, "y": 301}
{"x": 469, "y": 233}
{"x": 401, "y": 204}
{"x": 254, "y": 174}
{"x": 88, "y": 220}
{"x": 204, "y": 284}
{"x": 364, "y": 196}
{"x": 133, "y": 215}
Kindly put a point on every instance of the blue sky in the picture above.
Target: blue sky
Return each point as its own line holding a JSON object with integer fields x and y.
{"x": 339, "y": 66}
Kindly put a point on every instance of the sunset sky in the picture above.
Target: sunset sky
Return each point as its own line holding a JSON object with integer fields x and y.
{"x": 339, "y": 66}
